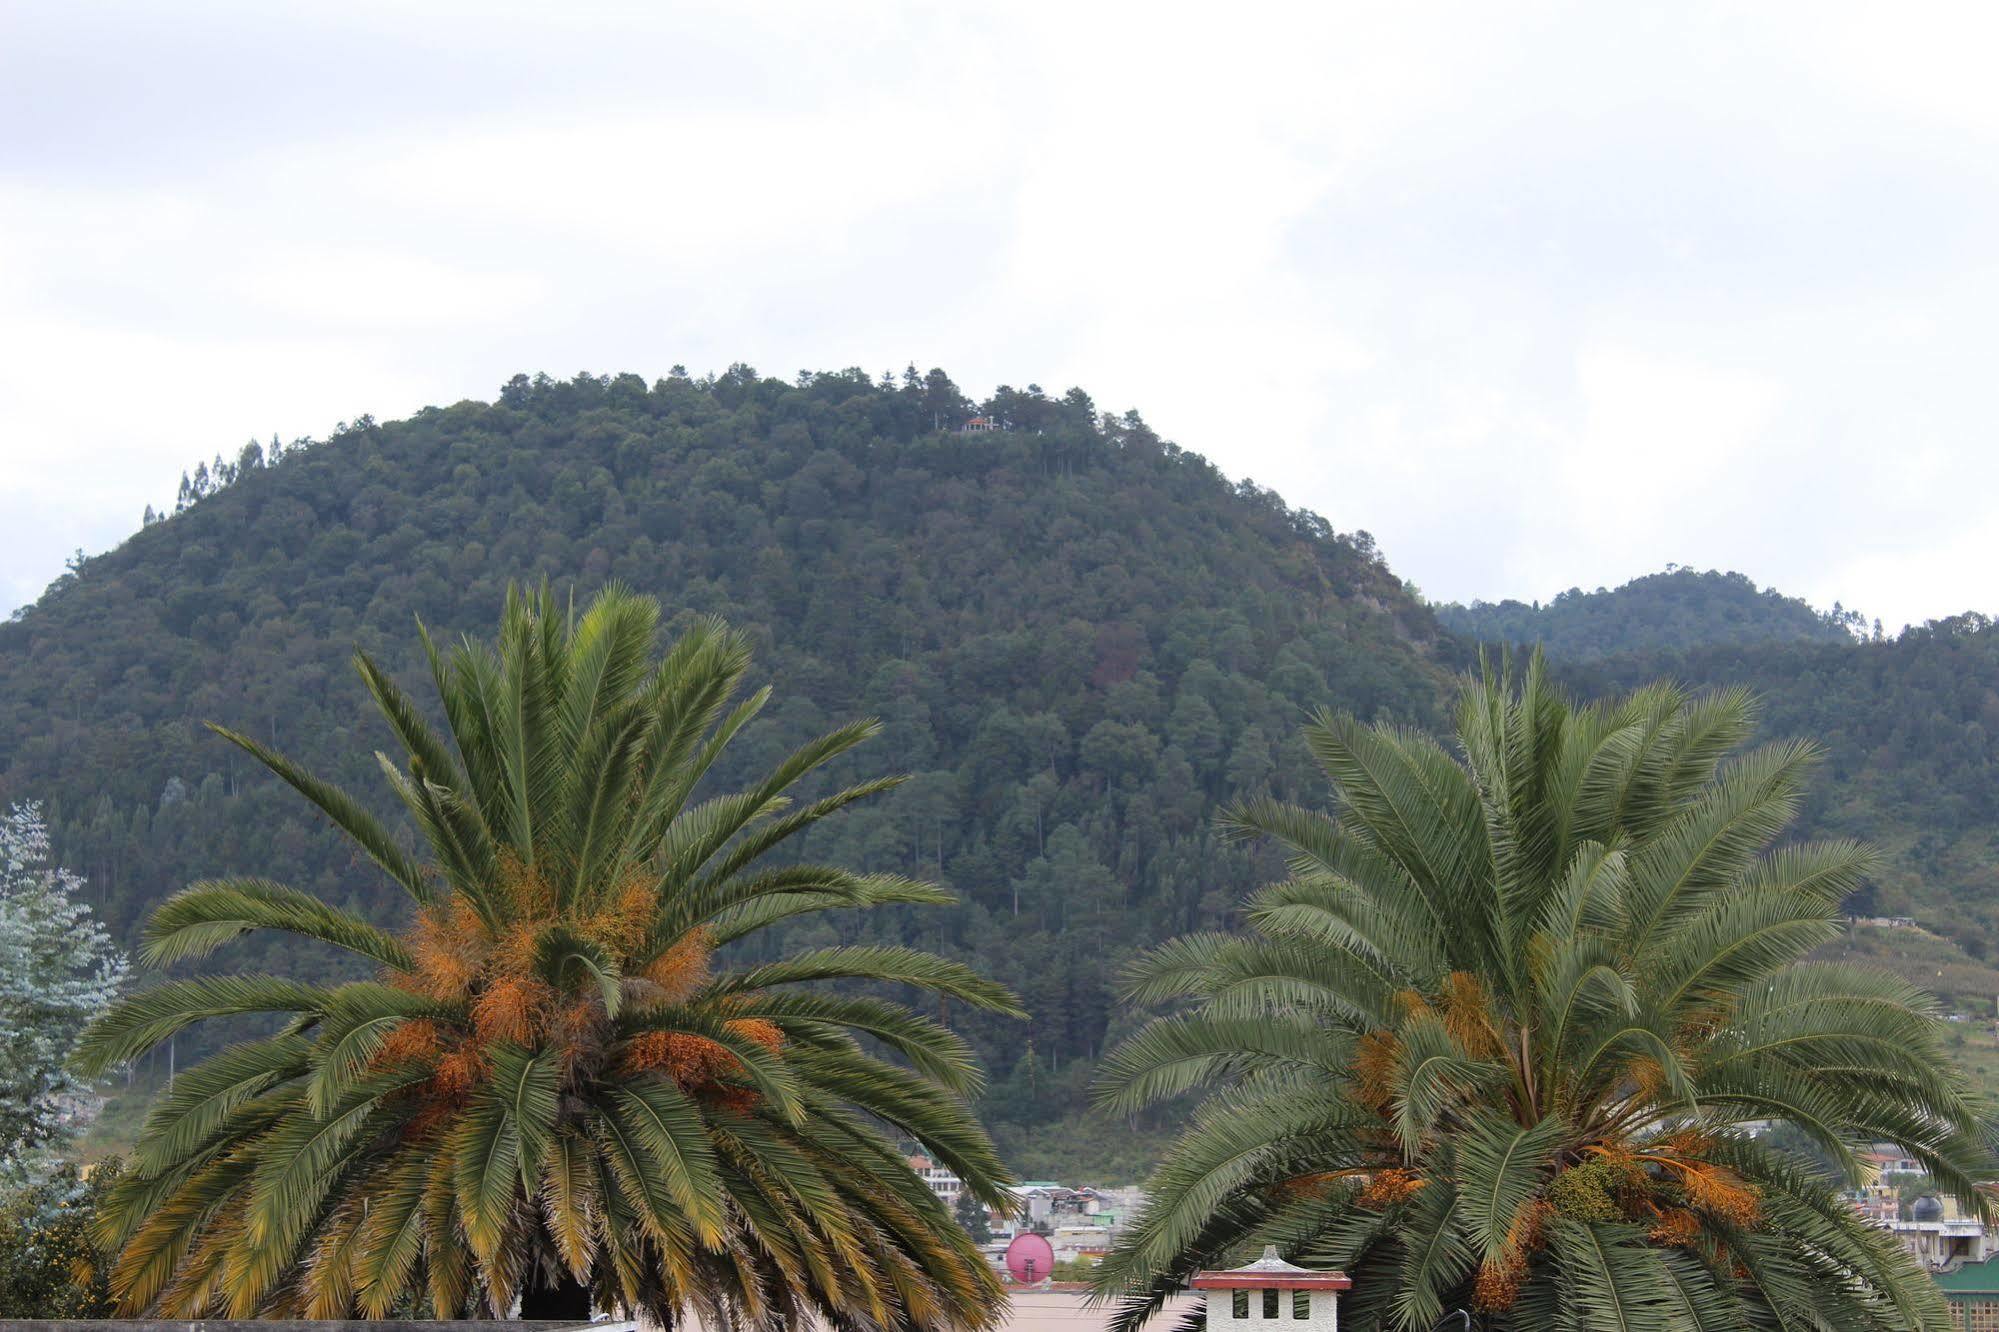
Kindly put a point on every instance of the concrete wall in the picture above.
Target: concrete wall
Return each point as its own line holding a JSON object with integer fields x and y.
{"x": 1324, "y": 1314}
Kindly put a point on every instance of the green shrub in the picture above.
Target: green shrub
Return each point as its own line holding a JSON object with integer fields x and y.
{"x": 50, "y": 1265}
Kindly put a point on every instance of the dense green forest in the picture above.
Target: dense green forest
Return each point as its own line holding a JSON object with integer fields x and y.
{"x": 1079, "y": 636}
{"x": 1911, "y": 731}
{"x": 1910, "y": 724}
{"x": 1677, "y": 609}
{"x": 1081, "y": 639}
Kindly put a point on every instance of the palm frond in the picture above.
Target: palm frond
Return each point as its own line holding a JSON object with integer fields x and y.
{"x": 197, "y": 920}
{"x": 885, "y": 963}
{"x": 345, "y": 812}
{"x": 1497, "y": 1042}
{"x": 138, "y": 1022}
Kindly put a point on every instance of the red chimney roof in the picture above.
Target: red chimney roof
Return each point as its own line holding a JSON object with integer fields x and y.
{"x": 1271, "y": 1273}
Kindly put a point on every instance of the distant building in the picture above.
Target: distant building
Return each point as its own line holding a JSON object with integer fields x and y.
{"x": 1082, "y": 1243}
{"x": 1878, "y": 1203}
{"x": 1043, "y": 1203}
{"x": 979, "y": 425}
{"x": 1940, "y": 1240}
{"x": 940, "y": 1180}
{"x": 1271, "y": 1295}
{"x": 1885, "y": 1159}
{"x": 1958, "y": 1252}
{"x": 1885, "y": 922}
{"x": 1972, "y": 1292}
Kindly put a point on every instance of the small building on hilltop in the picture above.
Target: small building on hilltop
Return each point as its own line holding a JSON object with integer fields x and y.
{"x": 1272, "y": 1291}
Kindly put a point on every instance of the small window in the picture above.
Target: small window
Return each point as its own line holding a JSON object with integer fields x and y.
{"x": 1270, "y": 1304}
{"x": 1239, "y": 1304}
{"x": 1301, "y": 1304}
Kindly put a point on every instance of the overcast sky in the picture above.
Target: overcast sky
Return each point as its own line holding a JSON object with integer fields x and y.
{"x": 1541, "y": 296}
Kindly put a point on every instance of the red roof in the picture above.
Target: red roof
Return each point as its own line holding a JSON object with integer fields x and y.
{"x": 1271, "y": 1273}
{"x": 1268, "y": 1281}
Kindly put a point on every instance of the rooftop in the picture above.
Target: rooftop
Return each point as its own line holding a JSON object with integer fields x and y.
{"x": 1271, "y": 1272}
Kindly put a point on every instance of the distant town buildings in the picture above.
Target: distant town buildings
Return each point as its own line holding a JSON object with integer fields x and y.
{"x": 1079, "y": 1223}
{"x": 1885, "y": 1159}
{"x": 1960, "y": 1252}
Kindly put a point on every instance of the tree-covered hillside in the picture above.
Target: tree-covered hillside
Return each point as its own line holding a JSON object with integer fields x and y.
{"x": 1668, "y": 611}
{"x": 1910, "y": 726}
{"x": 1080, "y": 639}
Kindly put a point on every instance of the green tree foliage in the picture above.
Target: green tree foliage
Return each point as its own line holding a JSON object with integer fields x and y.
{"x": 1910, "y": 724}
{"x": 51, "y": 1264}
{"x": 58, "y": 971}
{"x": 1677, "y": 609}
{"x": 1910, "y": 727}
{"x": 971, "y": 1214}
{"x": 1045, "y": 618}
{"x": 551, "y": 1086}
{"x": 1498, "y": 1041}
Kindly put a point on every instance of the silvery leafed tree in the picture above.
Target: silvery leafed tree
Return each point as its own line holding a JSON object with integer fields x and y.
{"x": 59, "y": 970}
{"x": 556, "y": 1090}
{"x": 1501, "y": 1042}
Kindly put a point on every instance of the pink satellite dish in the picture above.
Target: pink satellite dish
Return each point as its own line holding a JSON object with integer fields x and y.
{"x": 1030, "y": 1258}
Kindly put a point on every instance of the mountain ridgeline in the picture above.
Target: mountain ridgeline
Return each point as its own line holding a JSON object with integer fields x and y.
{"x": 1079, "y": 638}
{"x": 1668, "y": 611}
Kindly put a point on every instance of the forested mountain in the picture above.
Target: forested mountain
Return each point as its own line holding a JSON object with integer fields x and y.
{"x": 1674, "y": 610}
{"x": 1080, "y": 638}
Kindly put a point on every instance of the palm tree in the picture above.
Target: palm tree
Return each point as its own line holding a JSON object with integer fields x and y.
{"x": 553, "y": 1090}
{"x": 1504, "y": 1037}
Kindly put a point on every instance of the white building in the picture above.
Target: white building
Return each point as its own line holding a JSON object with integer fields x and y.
{"x": 1080, "y": 1242}
{"x": 1941, "y": 1237}
{"x": 1271, "y": 1295}
{"x": 940, "y": 1180}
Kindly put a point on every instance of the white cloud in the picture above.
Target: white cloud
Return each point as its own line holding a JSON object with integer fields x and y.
{"x": 1450, "y": 273}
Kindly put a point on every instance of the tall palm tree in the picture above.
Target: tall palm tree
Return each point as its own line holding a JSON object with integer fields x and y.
{"x": 554, "y": 1090}
{"x": 1502, "y": 1040}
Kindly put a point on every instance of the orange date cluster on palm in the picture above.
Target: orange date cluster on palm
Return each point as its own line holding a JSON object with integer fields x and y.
{"x": 1663, "y": 1187}
{"x": 489, "y": 972}
{"x": 1664, "y": 1184}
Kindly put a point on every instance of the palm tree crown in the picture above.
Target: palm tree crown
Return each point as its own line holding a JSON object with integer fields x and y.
{"x": 1502, "y": 1039}
{"x": 552, "y": 1082}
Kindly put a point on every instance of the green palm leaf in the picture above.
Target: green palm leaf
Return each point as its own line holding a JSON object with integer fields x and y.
{"x": 199, "y": 919}
{"x": 1501, "y": 1041}
{"x": 550, "y": 1092}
